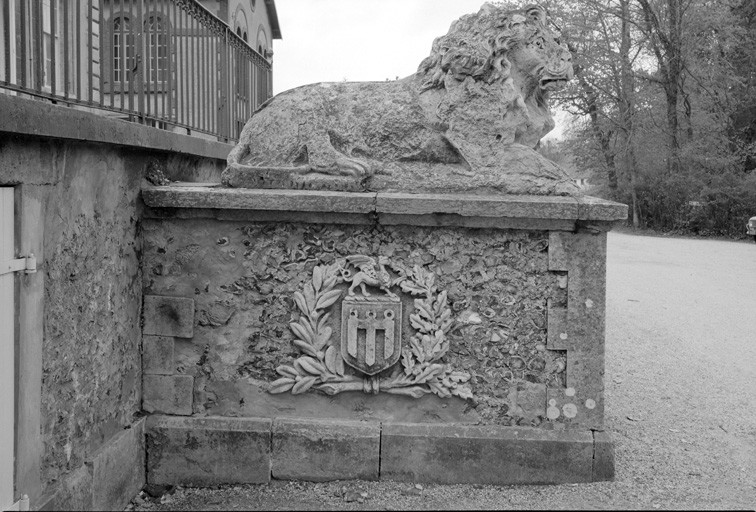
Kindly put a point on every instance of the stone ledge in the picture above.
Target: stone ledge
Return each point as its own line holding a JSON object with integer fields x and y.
{"x": 454, "y": 454}
{"x": 469, "y": 205}
{"x": 220, "y": 450}
{"x": 42, "y": 119}
{"x": 465, "y": 205}
{"x": 258, "y": 199}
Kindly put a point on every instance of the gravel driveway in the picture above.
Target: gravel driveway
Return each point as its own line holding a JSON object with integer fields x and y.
{"x": 680, "y": 399}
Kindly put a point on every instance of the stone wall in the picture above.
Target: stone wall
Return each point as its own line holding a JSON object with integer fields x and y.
{"x": 89, "y": 263}
{"x": 79, "y": 336}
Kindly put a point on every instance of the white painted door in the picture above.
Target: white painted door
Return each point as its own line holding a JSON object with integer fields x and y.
{"x": 7, "y": 360}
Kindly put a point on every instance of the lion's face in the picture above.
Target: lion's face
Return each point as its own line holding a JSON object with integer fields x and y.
{"x": 538, "y": 60}
{"x": 497, "y": 43}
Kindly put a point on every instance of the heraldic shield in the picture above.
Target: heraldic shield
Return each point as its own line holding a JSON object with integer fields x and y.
{"x": 371, "y": 332}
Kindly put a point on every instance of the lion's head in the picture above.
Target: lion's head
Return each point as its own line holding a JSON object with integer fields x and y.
{"x": 497, "y": 44}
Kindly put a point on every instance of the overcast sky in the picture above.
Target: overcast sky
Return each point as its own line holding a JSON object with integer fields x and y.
{"x": 330, "y": 40}
{"x": 358, "y": 40}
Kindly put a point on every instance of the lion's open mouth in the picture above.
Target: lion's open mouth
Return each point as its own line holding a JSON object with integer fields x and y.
{"x": 552, "y": 83}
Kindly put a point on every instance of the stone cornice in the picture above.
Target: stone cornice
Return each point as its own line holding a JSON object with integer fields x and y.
{"x": 401, "y": 208}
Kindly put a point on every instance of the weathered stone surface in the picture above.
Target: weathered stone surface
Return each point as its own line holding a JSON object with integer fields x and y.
{"x": 73, "y": 492}
{"x": 497, "y": 284}
{"x": 455, "y": 220}
{"x": 557, "y": 254}
{"x": 26, "y": 116}
{"x": 580, "y": 403}
{"x": 468, "y": 205}
{"x": 603, "y": 456}
{"x": 107, "y": 481}
{"x": 558, "y": 336}
{"x": 157, "y": 355}
{"x": 593, "y": 208}
{"x": 118, "y": 469}
{"x": 256, "y": 177}
{"x": 79, "y": 315}
{"x": 468, "y": 120}
{"x": 207, "y": 451}
{"x": 319, "y": 450}
{"x": 280, "y": 200}
{"x": 410, "y": 206}
{"x": 168, "y": 316}
{"x": 264, "y": 216}
{"x": 169, "y": 394}
{"x": 484, "y": 455}
{"x": 76, "y": 176}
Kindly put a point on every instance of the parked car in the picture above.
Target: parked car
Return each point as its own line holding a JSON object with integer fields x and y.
{"x": 751, "y": 228}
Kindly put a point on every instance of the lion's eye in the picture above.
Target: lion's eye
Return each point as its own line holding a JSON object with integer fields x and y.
{"x": 539, "y": 43}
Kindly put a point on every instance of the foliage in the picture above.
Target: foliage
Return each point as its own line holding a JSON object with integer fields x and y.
{"x": 665, "y": 106}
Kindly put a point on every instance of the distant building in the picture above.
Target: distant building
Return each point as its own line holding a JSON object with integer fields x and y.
{"x": 200, "y": 66}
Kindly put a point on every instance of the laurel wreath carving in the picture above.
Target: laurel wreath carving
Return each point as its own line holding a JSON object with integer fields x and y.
{"x": 322, "y": 367}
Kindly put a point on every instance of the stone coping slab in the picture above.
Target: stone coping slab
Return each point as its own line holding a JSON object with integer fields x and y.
{"x": 182, "y": 195}
{"x": 42, "y": 119}
{"x": 230, "y": 450}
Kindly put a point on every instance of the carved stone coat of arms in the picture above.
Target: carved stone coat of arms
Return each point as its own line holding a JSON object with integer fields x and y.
{"x": 369, "y": 354}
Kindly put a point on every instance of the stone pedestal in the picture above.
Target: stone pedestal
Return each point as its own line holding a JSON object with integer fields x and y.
{"x": 451, "y": 338}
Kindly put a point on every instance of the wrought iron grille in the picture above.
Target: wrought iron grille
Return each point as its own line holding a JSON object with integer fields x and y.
{"x": 165, "y": 63}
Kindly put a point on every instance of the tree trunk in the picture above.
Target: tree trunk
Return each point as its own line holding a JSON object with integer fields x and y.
{"x": 673, "y": 160}
{"x": 627, "y": 106}
{"x": 667, "y": 46}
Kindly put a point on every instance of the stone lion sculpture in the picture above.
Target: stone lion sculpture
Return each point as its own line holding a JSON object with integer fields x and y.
{"x": 468, "y": 120}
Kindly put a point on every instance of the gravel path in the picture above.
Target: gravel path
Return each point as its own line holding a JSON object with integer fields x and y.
{"x": 680, "y": 400}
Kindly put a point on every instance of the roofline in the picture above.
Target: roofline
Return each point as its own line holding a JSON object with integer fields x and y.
{"x": 273, "y": 18}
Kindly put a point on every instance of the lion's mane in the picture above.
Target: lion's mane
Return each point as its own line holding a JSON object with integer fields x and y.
{"x": 478, "y": 44}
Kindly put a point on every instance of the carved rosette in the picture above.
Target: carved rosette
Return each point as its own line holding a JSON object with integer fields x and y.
{"x": 374, "y": 360}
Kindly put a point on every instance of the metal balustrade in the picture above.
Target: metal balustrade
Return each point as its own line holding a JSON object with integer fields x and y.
{"x": 166, "y": 63}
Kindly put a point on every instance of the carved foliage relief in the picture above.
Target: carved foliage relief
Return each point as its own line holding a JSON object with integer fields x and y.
{"x": 295, "y": 309}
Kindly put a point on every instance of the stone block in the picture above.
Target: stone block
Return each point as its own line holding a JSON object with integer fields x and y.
{"x": 168, "y": 316}
{"x": 74, "y": 492}
{"x": 207, "y": 451}
{"x": 557, "y": 333}
{"x": 450, "y": 454}
{"x": 319, "y": 450}
{"x": 108, "y": 480}
{"x": 157, "y": 355}
{"x": 557, "y": 251}
{"x": 118, "y": 469}
{"x": 168, "y": 394}
{"x": 603, "y": 457}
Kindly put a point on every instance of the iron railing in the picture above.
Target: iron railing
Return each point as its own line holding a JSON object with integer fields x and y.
{"x": 166, "y": 63}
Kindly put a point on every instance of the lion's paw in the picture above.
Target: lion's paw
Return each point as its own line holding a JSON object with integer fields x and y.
{"x": 347, "y": 166}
